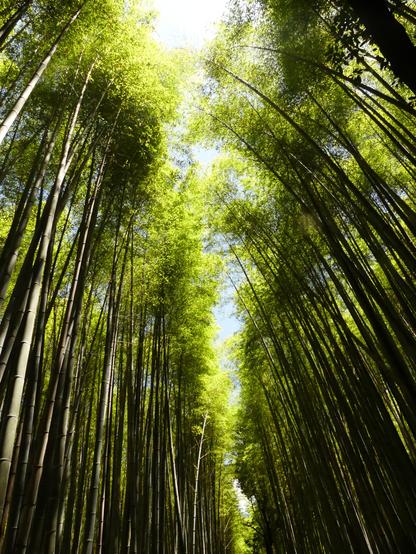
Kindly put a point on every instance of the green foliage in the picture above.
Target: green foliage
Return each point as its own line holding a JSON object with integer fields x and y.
{"x": 120, "y": 424}
{"x": 304, "y": 203}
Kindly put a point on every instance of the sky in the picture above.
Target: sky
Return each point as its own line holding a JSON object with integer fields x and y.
{"x": 187, "y": 23}
{"x": 190, "y": 23}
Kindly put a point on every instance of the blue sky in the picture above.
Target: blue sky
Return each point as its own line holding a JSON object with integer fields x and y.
{"x": 225, "y": 318}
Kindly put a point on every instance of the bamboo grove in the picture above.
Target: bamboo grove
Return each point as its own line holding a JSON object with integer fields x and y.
{"x": 117, "y": 432}
{"x": 313, "y": 203}
{"x": 109, "y": 442}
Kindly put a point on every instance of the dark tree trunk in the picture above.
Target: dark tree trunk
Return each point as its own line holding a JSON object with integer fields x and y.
{"x": 390, "y": 36}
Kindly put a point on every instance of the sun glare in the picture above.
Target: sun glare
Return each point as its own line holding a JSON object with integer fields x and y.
{"x": 187, "y": 23}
